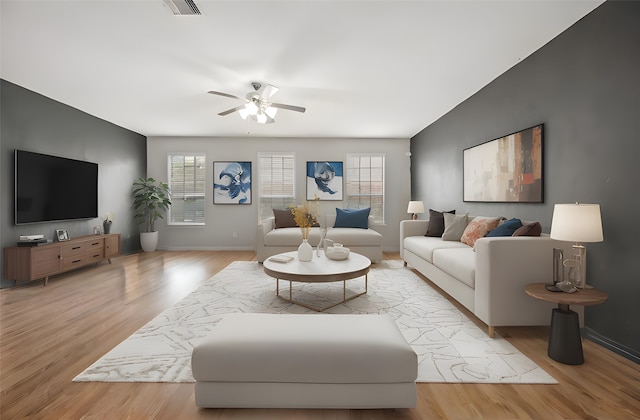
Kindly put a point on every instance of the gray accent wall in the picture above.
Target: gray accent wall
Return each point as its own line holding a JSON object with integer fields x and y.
{"x": 584, "y": 85}
{"x": 39, "y": 124}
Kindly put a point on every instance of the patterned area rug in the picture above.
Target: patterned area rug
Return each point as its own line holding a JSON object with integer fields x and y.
{"x": 450, "y": 347}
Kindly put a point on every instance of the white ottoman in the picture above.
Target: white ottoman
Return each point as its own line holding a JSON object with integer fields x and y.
{"x": 305, "y": 361}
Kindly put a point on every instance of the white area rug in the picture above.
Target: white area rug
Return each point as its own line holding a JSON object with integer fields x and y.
{"x": 450, "y": 347}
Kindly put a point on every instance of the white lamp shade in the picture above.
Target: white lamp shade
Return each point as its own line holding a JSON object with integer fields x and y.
{"x": 415, "y": 207}
{"x": 577, "y": 223}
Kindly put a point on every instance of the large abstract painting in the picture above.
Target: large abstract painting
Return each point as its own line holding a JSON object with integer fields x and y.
{"x": 507, "y": 169}
{"x": 232, "y": 183}
{"x": 324, "y": 181}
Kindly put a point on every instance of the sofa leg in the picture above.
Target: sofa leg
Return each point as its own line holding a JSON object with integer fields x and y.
{"x": 492, "y": 331}
{"x": 405, "y": 263}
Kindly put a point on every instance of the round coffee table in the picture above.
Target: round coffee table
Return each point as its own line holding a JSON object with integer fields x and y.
{"x": 319, "y": 270}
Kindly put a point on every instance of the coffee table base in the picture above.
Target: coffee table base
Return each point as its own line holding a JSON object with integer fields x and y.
{"x": 321, "y": 309}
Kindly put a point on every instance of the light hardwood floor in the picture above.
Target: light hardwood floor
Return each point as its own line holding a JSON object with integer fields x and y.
{"x": 50, "y": 334}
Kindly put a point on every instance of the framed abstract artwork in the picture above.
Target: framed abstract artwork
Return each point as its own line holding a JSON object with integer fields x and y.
{"x": 231, "y": 182}
{"x": 505, "y": 170}
{"x": 324, "y": 181}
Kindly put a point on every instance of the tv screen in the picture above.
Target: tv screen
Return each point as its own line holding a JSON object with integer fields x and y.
{"x": 49, "y": 188}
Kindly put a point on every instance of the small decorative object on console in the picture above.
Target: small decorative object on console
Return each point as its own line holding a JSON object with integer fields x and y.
{"x": 62, "y": 235}
{"x": 108, "y": 221}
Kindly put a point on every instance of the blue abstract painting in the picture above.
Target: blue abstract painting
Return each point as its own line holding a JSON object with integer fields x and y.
{"x": 232, "y": 183}
{"x": 324, "y": 181}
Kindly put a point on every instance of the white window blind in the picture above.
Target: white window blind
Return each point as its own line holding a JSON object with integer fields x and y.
{"x": 276, "y": 180}
{"x": 365, "y": 183}
{"x": 187, "y": 183}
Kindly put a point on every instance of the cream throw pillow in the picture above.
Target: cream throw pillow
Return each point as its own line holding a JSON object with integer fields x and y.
{"x": 454, "y": 226}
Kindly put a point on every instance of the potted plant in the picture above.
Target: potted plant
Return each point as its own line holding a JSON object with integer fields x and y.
{"x": 150, "y": 201}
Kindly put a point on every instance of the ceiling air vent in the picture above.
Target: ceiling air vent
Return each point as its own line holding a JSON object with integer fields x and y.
{"x": 182, "y": 7}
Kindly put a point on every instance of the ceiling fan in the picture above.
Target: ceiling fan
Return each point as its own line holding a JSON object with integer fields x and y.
{"x": 257, "y": 106}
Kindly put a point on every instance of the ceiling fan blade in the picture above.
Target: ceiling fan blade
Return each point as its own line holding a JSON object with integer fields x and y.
{"x": 229, "y": 111}
{"x": 266, "y": 90}
{"x": 228, "y": 95}
{"x": 289, "y": 107}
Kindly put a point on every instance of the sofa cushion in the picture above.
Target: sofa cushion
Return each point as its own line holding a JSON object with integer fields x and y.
{"x": 454, "y": 226}
{"x": 530, "y": 229}
{"x": 424, "y": 246}
{"x": 355, "y": 237}
{"x": 436, "y": 222}
{"x": 459, "y": 263}
{"x": 284, "y": 218}
{"x": 506, "y": 229}
{"x": 352, "y": 218}
{"x": 478, "y": 228}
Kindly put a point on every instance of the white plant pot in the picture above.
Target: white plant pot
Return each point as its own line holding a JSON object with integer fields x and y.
{"x": 149, "y": 241}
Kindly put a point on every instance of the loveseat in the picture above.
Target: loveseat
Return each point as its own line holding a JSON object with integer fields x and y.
{"x": 489, "y": 277}
{"x": 272, "y": 240}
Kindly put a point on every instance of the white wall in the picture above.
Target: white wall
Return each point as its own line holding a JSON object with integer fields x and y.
{"x": 222, "y": 221}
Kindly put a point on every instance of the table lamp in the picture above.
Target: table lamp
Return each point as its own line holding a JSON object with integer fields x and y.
{"x": 415, "y": 207}
{"x": 577, "y": 223}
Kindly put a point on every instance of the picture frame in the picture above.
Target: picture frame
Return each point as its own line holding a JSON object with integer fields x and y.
{"x": 508, "y": 169}
{"x": 232, "y": 182}
{"x": 62, "y": 235}
{"x": 97, "y": 230}
{"x": 324, "y": 181}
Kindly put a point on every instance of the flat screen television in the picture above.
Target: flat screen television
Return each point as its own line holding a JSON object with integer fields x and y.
{"x": 50, "y": 188}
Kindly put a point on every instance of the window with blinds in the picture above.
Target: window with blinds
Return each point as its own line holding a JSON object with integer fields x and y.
{"x": 187, "y": 183}
{"x": 364, "y": 184}
{"x": 276, "y": 182}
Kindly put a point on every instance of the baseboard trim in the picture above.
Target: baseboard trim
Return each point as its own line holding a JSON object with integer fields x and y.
{"x": 609, "y": 344}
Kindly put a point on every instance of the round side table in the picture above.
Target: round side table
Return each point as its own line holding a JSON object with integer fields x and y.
{"x": 565, "y": 342}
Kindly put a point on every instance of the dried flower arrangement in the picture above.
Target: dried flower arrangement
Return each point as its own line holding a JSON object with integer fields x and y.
{"x": 305, "y": 217}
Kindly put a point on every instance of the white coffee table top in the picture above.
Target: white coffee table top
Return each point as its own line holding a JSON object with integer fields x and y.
{"x": 319, "y": 269}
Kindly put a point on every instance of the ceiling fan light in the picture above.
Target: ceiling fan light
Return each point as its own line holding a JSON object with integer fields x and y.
{"x": 271, "y": 111}
{"x": 261, "y": 117}
{"x": 251, "y": 108}
{"x": 244, "y": 113}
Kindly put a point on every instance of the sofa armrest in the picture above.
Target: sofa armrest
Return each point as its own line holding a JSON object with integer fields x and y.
{"x": 411, "y": 228}
{"x": 504, "y": 266}
{"x": 267, "y": 225}
{"x": 263, "y": 228}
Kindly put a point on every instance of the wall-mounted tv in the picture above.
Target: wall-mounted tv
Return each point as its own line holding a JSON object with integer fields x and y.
{"x": 50, "y": 188}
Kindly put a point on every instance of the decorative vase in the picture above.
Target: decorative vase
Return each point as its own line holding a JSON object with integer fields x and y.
{"x": 149, "y": 241}
{"x": 305, "y": 251}
{"x": 106, "y": 226}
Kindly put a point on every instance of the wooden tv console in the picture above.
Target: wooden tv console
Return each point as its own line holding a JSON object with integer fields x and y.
{"x": 36, "y": 262}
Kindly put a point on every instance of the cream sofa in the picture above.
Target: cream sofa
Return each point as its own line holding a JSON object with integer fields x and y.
{"x": 271, "y": 241}
{"x": 488, "y": 279}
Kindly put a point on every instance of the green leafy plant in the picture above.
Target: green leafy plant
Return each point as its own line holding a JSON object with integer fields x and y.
{"x": 150, "y": 201}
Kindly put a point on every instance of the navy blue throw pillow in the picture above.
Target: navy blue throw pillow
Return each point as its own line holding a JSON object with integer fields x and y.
{"x": 506, "y": 229}
{"x": 352, "y": 218}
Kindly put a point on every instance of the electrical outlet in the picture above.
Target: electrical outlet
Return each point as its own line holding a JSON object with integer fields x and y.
{"x": 235, "y": 235}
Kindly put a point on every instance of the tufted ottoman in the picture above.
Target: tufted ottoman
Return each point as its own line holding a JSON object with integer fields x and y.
{"x": 305, "y": 361}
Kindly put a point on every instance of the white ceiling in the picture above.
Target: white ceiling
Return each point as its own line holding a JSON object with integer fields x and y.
{"x": 363, "y": 69}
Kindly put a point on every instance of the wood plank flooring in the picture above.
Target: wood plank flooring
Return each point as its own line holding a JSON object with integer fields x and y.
{"x": 50, "y": 334}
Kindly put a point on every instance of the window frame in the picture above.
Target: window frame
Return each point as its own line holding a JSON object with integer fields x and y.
{"x": 378, "y": 213}
{"x": 265, "y": 211}
{"x": 203, "y": 195}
